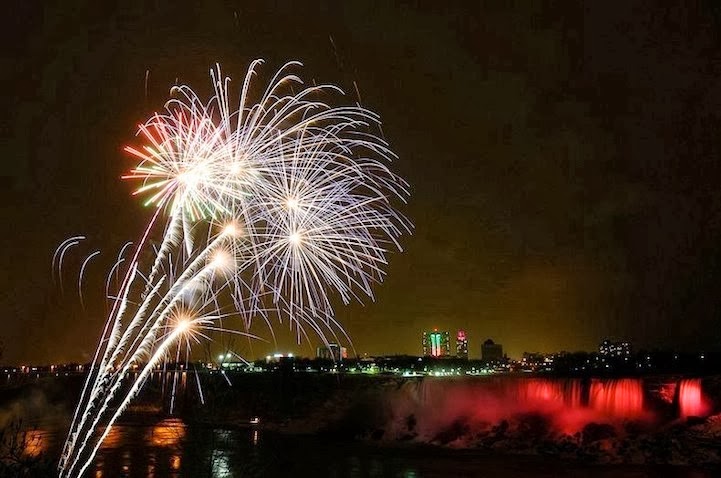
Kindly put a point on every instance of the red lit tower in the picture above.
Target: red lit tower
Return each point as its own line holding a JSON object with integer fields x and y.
{"x": 461, "y": 345}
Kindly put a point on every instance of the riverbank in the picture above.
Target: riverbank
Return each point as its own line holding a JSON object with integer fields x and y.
{"x": 603, "y": 422}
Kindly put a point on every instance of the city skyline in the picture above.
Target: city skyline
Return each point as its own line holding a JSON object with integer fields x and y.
{"x": 606, "y": 347}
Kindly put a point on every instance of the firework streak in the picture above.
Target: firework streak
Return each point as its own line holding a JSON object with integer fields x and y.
{"x": 273, "y": 208}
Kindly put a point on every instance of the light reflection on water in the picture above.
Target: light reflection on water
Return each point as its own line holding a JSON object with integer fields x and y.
{"x": 172, "y": 449}
{"x": 35, "y": 442}
{"x": 169, "y": 432}
{"x": 113, "y": 440}
{"x": 221, "y": 464}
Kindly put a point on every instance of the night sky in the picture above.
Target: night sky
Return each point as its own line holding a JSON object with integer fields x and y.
{"x": 565, "y": 159}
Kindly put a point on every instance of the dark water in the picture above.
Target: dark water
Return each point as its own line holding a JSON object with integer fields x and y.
{"x": 171, "y": 449}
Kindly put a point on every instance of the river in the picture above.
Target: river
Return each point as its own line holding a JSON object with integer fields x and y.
{"x": 170, "y": 448}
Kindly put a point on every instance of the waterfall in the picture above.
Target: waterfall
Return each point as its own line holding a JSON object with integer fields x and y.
{"x": 621, "y": 398}
{"x": 691, "y": 399}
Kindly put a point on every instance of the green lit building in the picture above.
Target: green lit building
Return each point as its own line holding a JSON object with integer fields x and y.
{"x": 436, "y": 343}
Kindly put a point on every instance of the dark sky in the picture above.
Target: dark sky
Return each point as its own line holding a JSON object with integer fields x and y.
{"x": 565, "y": 159}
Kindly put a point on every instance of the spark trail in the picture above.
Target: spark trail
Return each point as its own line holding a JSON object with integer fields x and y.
{"x": 273, "y": 207}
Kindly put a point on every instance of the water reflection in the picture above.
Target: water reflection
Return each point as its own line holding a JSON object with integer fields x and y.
{"x": 175, "y": 462}
{"x": 126, "y": 462}
{"x": 170, "y": 448}
{"x": 169, "y": 432}
{"x": 114, "y": 438}
{"x": 221, "y": 464}
{"x": 35, "y": 442}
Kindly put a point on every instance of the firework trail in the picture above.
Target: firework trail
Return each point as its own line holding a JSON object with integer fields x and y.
{"x": 273, "y": 207}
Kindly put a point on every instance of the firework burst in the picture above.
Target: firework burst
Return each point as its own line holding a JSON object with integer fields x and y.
{"x": 273, "y": 206}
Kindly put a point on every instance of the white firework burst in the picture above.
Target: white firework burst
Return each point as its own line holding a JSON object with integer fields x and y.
{"x": 278, "y": 204}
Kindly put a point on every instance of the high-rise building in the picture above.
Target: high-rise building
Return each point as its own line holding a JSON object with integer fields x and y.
{"x": 333, "y": 352}
{"x": 491, "y": 351}
{"x": 436, "y": 344}
{"x": 461, "y": 345}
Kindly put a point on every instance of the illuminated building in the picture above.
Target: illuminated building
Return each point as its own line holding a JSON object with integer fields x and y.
{"x": 461, "y": 345}
{"x": 491, "y": 351}
{"x": 276, "y": 358}
{"x": 436, "y": 344}
{"x": 614, "y": 349}
{"x": 284, "y": 363}
{"x": 536, "y": 362}
{"x": 333, "y": 352}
